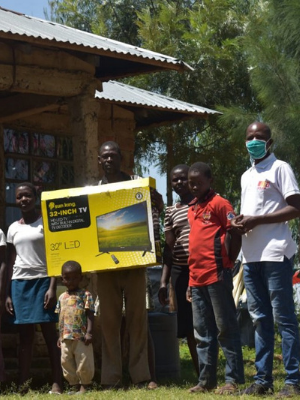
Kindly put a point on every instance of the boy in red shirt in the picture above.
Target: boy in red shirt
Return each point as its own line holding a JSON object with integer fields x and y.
{"x": 213, "y": 248}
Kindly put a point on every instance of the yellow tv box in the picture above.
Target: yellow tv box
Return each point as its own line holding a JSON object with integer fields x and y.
{"x": 102, "y": 227}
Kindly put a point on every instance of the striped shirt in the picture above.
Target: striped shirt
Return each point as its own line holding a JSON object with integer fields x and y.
{"x": 176, "y": 220}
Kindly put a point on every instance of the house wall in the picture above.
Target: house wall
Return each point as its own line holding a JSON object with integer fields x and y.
{"x": 90, "y": 124}
{"x": 118, "y": 124}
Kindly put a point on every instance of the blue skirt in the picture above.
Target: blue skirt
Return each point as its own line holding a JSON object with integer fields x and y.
{"x": 28, "y": 301}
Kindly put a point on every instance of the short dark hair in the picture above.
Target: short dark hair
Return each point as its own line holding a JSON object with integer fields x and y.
{"x": 29, "y": 185}
{"x": 182, "y": 167}
{"x": 202, "y": 168}
{"x": 72, "y": 265}
{"x": 112, "y": 145}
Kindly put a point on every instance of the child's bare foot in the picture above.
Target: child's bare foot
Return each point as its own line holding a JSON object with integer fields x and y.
{"x": 56, "y": 389}
{"x": 83, "y": 388}
{"x": 152, "y": 385}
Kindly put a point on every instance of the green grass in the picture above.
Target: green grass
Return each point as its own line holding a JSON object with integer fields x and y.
{"x": 167, "y": 390}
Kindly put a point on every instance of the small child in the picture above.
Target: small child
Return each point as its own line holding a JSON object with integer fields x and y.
{"x": 213, "y": 248}
{"x": 76, "y": 315}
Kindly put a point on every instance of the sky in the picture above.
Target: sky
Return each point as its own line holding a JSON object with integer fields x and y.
{"x": 35, "y": 8}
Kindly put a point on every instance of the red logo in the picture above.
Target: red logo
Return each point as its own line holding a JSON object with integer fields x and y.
{"x": 263, "y": 185}
{"x": 206, "y": 217}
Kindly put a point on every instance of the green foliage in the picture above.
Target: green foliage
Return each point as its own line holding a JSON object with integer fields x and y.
{"x": 80, "y": 14}
{"x": 111, "y": 18}
{"x": 273, "y": 54}
{"x": 207, "y": 35}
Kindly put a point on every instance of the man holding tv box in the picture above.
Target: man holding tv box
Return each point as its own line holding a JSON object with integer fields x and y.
{"x": 130, "y": 283}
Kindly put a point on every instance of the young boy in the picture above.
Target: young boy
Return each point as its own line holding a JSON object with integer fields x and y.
{"x": 213, "y": 247}
{"x": 76, "y": 313}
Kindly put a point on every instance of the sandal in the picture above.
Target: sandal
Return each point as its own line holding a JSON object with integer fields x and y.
{"x": 152, "y": 385}
{"x": 199, "y": 389}
{"x": 227, "y": 389}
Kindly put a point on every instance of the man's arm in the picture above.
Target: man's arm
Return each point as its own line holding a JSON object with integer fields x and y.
{"x": 233, "y": 242}
{"x": 157, "y": 200}
{"x": 50, "y": 295}
{"x": 245, "y": 223}
{"x": 166, "y": 272}
{"x": 89, "y": 328}
{"x": 11, "y": 256}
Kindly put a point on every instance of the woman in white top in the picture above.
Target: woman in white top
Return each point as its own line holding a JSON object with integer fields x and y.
{"x": 32, "y": 294}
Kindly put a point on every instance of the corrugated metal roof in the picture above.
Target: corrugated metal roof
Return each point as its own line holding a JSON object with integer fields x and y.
{"x": 130, "y": 95}
{"x": 13, "y": 23}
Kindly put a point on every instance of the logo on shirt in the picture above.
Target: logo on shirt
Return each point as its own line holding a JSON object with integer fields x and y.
{"x": 230, "y": 215}
{"x": 206, "y": 217}
{"x": 263, "y": 185}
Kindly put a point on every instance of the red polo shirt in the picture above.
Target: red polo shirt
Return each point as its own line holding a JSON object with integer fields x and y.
{"x": 209, "y": 223}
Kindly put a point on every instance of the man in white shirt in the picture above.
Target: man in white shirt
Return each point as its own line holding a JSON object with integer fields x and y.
{"x": 270, "y": 198}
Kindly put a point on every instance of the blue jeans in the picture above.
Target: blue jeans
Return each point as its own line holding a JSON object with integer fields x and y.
{"x": 214, "y": 318}
{"x": 270, "y": 297}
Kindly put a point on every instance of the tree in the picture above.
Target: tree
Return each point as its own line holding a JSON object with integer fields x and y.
{"x": 206, "y": 34}
{"x": 273, "y": 53}
{"x": 272, "y": 48}
{"x": 111, "y": 18}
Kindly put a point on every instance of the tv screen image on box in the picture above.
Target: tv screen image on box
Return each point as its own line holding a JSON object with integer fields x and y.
{"x": 125, "y": 229}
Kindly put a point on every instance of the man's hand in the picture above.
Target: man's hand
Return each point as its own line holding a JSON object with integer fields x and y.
{"x": 88, "y": 339}
{"x": 49, "y": 299}
{"x": 163, "y": 296}
{"x": 9, "y": 305}
{"x": 244, "y": 223}
{"x": 189, "y": 294}
{"x": 236, "y": 222}
{"x": 249, "y": 223}
{"x": 156, "y": 199}
{"x": 2, "y": 305}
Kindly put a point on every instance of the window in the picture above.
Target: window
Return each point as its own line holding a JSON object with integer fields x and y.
{"x": 45, "y": 160}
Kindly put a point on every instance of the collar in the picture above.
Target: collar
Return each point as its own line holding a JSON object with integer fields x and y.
{"x": 21, "y": 221}
{"x": 210, "y": 194}
{"x": 265, "y": 163}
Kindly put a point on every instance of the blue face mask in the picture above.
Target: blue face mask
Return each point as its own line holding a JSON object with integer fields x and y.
{"x": 257, "y": 149}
